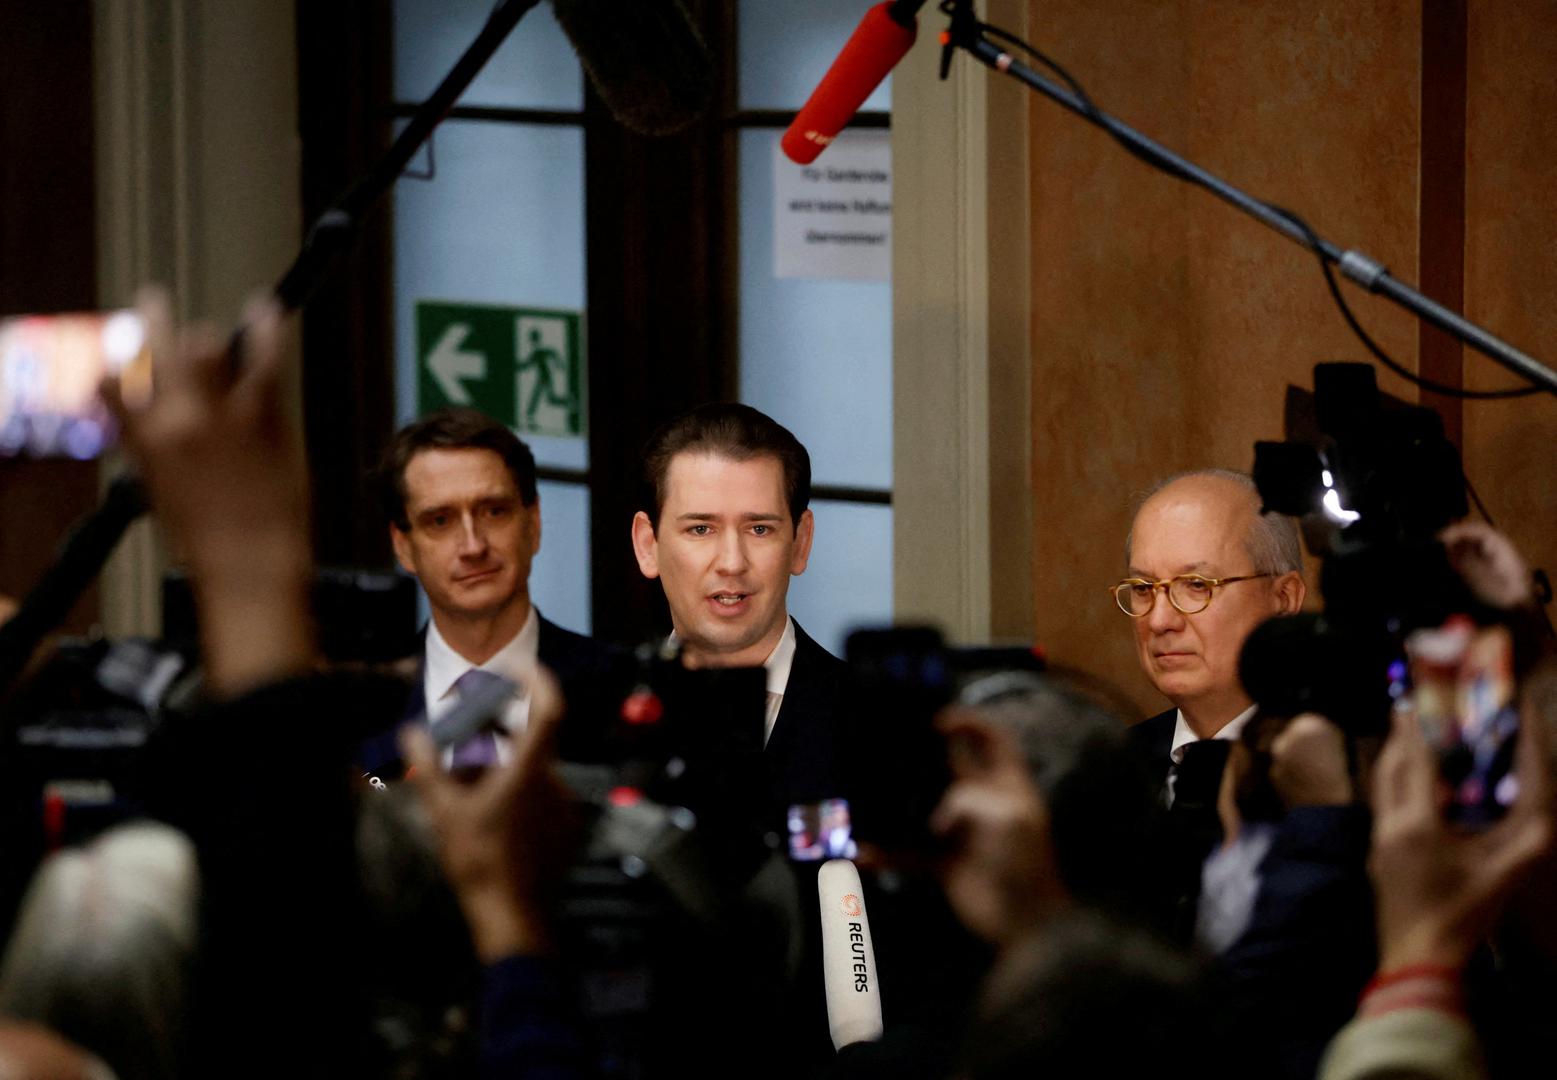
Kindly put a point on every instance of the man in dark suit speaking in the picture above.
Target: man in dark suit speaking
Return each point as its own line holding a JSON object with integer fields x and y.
{"x": 465, "y": 519}
{"x": 728, "y": 526}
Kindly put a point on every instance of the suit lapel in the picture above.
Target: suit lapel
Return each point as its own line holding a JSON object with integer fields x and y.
{"x": 804, "y": 751}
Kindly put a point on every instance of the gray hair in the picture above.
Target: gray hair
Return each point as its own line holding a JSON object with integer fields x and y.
{"x": 1055, "y": 717}
{"x": 104, "y": 946}
{"x": 1272, "y": 542}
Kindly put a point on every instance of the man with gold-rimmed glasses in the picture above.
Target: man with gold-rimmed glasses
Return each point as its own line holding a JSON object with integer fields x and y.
{"x": 1204, "y": 568}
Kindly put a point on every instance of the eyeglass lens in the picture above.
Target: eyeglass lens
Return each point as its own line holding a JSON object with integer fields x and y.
{"x": 1189, "y": 594}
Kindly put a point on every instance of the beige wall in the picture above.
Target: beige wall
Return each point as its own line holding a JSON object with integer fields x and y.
{"x": 1165, "y": 325}
{"x": 198, "y": 187}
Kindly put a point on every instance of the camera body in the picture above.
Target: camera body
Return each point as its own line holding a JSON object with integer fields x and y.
{"x": 1372, "y": 481}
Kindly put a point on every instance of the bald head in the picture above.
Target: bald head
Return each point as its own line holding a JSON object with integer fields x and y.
{"x": 1270, "y": 539}
{"x": 1208, "y": 524}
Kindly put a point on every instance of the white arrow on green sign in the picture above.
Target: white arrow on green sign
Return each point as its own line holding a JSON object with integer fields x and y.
{"x": 450, "y": 366}
{"x": 521, "y": 366}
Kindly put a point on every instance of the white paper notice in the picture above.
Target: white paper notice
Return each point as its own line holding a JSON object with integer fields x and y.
{"x": 833, "y": 217}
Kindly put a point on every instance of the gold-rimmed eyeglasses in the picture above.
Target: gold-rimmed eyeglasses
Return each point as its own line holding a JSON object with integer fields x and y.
{"x": 1189, "y": 593}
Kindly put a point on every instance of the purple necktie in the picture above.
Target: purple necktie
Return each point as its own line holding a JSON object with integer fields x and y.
{"x": 480, "y": 750}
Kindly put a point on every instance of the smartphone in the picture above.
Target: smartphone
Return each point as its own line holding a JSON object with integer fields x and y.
{"x": 821, "y": 830}
{"x": 50, "y": 369}
{"x": 1462, "y": 689}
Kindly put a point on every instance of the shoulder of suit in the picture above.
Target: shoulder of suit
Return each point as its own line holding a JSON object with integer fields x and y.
{"x": 557, "y": 643}
{"x": 1154, "y": 733}
{"x": 805, "y": 645}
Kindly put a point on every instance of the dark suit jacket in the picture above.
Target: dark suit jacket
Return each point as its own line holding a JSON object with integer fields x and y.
{"x": 1154, "y": 739}
{"x": 1194, "y": 827}
{"x": 805, "y": 753}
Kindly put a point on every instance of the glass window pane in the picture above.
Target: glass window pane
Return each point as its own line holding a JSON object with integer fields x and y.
{"x": 559, "y": 577}
{"x": 848, "y": 582}
{"x": 501, "y": 222}
{"x": 787, "y": 47}
{"x": 535, "y": 68}
{"x": 815, "y": 354}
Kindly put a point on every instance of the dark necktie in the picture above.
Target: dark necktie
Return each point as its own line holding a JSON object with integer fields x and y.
{"x": 480, "y": 750}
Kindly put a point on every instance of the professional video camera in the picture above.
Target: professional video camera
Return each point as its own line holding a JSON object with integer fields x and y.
{"x": 684, "y": 918}
{"x": 679, "y": 917}
{"x": 1373, "y": 480}
{"x": 899, "y": 679}
{"x": 81, "y": 732}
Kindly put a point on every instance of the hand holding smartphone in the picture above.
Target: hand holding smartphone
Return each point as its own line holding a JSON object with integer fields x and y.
{"x": 50, "y": 370}
{"x": 1462, "y": 678}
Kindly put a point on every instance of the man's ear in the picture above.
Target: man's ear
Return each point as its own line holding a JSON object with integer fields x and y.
{"x": 803, "y": 533}
{"x": 534, "y": 511}
{"x": 646, "y": 545}
{"x": 1290, "y": 593}
{"x": 401, "y": 542}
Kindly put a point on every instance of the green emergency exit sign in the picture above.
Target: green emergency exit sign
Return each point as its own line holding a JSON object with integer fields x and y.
{"x": 521, "y": 366}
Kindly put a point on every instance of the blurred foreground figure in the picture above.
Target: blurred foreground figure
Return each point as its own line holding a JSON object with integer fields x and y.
{"x": 104, "y": 949}
{"x": 1091, "y": 997}
{"x": 30, "y": 1052}
{"x": 1439, "y": 892}
{"x": 280, "y": 912}
{"x": 1052, "y": 831}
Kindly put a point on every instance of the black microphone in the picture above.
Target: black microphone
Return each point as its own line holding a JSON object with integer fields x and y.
{"x": 644, "y": 58}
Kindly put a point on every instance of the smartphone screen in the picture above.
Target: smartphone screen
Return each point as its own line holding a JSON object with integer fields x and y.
{"x": 821, "y": 830}
{"x": 1462, "y": 688}
{"x": 50, "y": 368}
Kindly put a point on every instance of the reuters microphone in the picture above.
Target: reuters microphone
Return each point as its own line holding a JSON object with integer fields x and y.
{"x": 884, "y": 36}
{"x": 848, "y": 957}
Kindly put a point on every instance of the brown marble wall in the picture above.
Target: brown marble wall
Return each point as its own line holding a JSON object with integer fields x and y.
{"x": 1165, "y": 324}
{"x": 1511, "y": 261}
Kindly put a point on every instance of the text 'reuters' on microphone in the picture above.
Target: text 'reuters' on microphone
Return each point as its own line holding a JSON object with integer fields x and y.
{"x": 884, "y": 36}
{"x": 848, "y": 956}
{"x": 645, "y": 59}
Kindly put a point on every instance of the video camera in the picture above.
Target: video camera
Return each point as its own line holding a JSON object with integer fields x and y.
{"x": 1372, "y": 480}
{"x": 82, "y": 731}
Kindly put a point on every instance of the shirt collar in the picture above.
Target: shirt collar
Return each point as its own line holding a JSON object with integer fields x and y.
{"x": 781, "y": 659}
{"x": 444, "y": 665}
{"x": 1183, "y": 734}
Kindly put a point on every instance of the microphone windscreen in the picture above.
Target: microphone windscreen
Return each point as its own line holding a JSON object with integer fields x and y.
{"x": 870, "y": 54}
{"x": 848, "y": 956}
{"x": 644, "y": 58}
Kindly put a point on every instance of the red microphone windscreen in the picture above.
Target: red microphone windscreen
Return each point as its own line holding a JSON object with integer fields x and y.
{"x": 871, "y": 53}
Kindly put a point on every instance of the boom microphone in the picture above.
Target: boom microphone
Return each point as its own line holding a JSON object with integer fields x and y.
{"x": 644, "y": 58}
{"x": 884, "y": 36}
{"x": 848, "y": 957}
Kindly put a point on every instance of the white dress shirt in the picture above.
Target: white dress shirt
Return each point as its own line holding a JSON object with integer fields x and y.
{"x": 777, "y": 665}
{"x": 444, "y": 666}
{"x": 1183, "y": 735}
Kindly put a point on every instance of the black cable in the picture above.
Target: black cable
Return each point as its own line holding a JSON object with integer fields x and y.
{"x": 1480, "y": 506}
{"x": 1088, "y": 106}
{"x": 1311, "y": 238}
